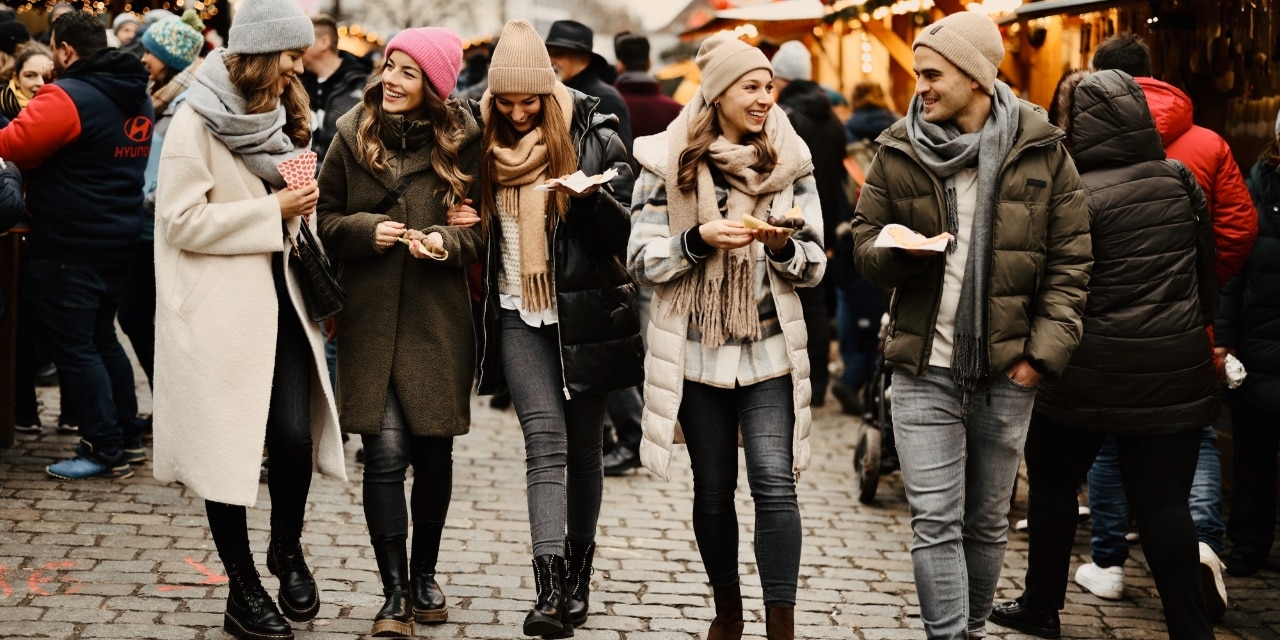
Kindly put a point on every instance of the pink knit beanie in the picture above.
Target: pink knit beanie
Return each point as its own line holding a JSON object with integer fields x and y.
{"x": 437, "y": 50}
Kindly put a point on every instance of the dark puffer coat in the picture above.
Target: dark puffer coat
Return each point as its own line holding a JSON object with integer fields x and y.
{"x": 1144, "y": 365}
{"x": 1249, "y": 319}
{"x": 599, "y": 323}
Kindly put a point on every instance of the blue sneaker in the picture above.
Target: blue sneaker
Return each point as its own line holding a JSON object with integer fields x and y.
{"x": 134, "y": 452}
{"x": 82, "y": 468}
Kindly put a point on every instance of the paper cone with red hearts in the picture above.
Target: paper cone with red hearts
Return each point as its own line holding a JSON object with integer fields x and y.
{"x": 299, "y": 171}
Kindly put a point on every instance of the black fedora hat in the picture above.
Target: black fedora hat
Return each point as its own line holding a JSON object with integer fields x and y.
{"x": 574, "y": 36}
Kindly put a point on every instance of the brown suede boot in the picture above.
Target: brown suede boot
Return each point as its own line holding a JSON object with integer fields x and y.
{"x": 728, "y": 622}
{"x": 780, "y": 623}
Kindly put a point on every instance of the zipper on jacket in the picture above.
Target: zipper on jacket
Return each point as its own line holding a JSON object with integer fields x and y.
{"x": 564, "y": 377}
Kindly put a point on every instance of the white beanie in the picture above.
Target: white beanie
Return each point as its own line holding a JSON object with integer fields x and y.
{"x": 270, "y": 26}
{"x": 969, "y": 40}
{"x": 123, "y": 19}
{"x": 793, "y": 62}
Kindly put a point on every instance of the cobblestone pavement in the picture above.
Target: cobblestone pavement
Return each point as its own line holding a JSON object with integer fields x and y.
{"x": 133, "y": 558}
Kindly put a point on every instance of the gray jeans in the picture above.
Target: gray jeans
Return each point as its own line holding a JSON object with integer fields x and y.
{"x": 959, "y": 472}
{"x": 561, "y": 437}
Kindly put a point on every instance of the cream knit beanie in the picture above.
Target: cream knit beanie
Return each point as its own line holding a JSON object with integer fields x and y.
{"x": 724, "y": 59}
{"x": 970, "y": 41}
{"x": 520, "y": 63}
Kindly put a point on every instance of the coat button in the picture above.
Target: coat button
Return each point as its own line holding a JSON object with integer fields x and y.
{"x": 684, "y": 262}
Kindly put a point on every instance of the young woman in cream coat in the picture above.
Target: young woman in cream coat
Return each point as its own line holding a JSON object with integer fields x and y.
{"x": 238, "y": 361}
{"x": 726, "y": 350}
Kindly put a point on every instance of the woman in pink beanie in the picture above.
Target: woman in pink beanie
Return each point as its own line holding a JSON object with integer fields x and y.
{"x": 402, "y": 163}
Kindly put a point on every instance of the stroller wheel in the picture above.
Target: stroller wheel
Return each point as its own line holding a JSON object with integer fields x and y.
{"x": 866, "y": 462}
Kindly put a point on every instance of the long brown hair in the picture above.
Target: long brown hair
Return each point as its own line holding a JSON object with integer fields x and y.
{"x": 448, "y": 130}
{"x": 706, "y": 128}
{"x": 562, "y": 159}
{"x": 257, "y": 76}
{"x": 1064, "y": 99}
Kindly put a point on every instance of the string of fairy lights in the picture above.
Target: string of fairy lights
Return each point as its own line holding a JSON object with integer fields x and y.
{"x": 206, "y": 10}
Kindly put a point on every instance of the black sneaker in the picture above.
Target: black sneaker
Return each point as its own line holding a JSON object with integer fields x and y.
{"x": 134, "y": 452}
{"x": 64, "y": 427}
{"x": 28, "y": 426}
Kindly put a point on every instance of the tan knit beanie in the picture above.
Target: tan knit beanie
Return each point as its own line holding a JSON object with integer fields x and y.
{"x": 970, "y": 41}
{"x": 520, "y": 63}
{"x": 724, "y": 59}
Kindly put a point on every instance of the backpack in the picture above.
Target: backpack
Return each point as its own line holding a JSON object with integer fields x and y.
{"x": 857, "y": 161}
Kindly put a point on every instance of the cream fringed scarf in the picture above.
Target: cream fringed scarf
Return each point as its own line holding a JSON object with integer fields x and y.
{"x": 517, "y": 171}
{"x": 719, "y": 295}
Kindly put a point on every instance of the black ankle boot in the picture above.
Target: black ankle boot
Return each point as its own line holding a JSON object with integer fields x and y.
{"x": 549, "y": 615}
{"x": 251, "y": 615}
{"x": 299, "y": 597}
{"x": 429, "y": 606}
{"x": 577, "y": 582}
{"x": 395, "y": 619}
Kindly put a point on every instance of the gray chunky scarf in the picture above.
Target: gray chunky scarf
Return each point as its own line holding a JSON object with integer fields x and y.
{"x": 258, "y": 138}
{"x": 944, "y": 150}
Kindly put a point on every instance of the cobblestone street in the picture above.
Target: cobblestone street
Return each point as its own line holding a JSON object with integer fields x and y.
{"x": 133, "y": 558}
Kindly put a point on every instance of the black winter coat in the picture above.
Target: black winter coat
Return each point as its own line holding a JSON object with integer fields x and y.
{"x": 611, "y": 103}
{"x": 334, "y": 97}
{"x": 1249, "y": 319}
{"x": 598, "y": 318}
{"x": 809, "y": 110}
{"x": 1144, "y": 366}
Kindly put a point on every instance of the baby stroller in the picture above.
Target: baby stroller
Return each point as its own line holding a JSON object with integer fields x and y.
{"x": 874, "y": 454}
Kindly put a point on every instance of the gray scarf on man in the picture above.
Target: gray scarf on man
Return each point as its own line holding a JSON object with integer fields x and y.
{"x": 258, "y": 138}
{"x": 944, "y": 150}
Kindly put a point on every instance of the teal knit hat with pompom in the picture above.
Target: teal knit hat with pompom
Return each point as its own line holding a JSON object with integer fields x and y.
{"x": 175, "y": 42}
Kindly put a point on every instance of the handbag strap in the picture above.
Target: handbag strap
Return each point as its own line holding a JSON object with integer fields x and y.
{"x": 392, "y": 196}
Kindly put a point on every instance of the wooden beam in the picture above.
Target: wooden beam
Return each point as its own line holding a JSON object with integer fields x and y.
{"x": 949, "y": 6}
{"x": 899, "y": 50}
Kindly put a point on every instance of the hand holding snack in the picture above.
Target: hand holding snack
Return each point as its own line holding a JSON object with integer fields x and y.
{"x": 896, "y": 236}
{"x": 725, "y": 234}
{"x": 577, "y": 184}
{"x": 387, "y": 232}
{"x": 425, "y": 245}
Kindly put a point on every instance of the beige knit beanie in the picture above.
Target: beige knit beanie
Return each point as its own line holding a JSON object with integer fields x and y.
{"x": 970, "y": 41}
{"x": 520, "y": 63}
{"x": 724, "y": 59}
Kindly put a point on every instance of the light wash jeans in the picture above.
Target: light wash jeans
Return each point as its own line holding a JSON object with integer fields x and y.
{"x": 1110, "y": 513}
{"x": 959, "y": 471}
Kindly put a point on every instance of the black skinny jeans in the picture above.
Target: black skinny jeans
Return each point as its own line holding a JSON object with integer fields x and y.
{"x": 1255, "y": 440}
{"x": 1157, "y": 472}
{"x": 710, "y": 418}
{"x": 288, "y": 440}
{"x": 387, "y": 456}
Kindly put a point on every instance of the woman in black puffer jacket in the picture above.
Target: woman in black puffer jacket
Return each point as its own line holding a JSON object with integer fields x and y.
{"x": 560, "y": 321}
{"x": 1249, "y": 326}
{"x": 1144, "y": 369}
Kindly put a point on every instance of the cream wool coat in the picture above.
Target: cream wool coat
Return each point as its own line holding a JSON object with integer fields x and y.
{"x": 664, "y": 366}
{"x": 217, "y": 227}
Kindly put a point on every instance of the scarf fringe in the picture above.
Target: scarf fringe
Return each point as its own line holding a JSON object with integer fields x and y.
{"x": 717, "y": 318}
{"x": 536, "y": 293}
{"x": 968, "y": 361}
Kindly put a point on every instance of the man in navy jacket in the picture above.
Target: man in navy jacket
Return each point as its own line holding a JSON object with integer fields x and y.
{"x": 82, "y": 144}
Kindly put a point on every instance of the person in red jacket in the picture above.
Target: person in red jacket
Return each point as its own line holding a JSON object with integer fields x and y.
{"x": 1235, "y": 226}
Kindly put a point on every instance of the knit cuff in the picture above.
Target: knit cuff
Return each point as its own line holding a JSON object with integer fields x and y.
{"x": 694, "y": 246}
{"x": 785, "y": 254}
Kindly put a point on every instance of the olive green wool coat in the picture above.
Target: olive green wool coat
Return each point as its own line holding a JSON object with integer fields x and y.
{"x": 407, "y": 322}
{"x": 1041, "y": 261}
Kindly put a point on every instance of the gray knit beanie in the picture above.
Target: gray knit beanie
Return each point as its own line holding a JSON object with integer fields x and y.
{"x": 520, "y": 63}
{"x": 970, "y": 41}
{"x": 793, "y": 62}
{"x": 724, "y": 59}
{"x": 270, "y": 26}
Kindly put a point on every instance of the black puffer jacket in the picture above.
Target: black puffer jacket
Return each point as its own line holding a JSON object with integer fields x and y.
{"x": 1249, "y": 319}
{"x": 1144, "y": 365}
{"x": 599, "y": 323}
{"x": 809, "y": 110}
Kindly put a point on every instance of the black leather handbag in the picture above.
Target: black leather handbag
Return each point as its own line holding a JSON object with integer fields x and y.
{"x": 323, "y": 295}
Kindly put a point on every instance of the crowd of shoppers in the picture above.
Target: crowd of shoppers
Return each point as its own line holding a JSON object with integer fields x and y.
{"x": 1030, "y": 333}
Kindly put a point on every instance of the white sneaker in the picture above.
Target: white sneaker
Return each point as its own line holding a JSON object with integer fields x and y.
{"x": 1215, "y": 590}
{"x": 1107, "y": 584}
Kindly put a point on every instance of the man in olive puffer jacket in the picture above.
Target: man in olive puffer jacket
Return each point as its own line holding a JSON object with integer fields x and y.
{"x": 974, "y": 328}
